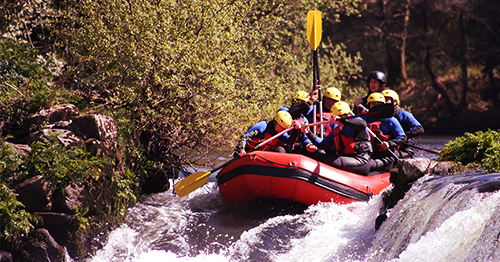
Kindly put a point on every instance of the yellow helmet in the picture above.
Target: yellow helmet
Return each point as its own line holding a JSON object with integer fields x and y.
{"x": 284, "y": 119}
{"x": 392, "y": 94}
{"x": 340, "y": 108}
{"x": 333, "y": 93}
{"x": 376, "y": 97}
{"x": 301, "y": 95}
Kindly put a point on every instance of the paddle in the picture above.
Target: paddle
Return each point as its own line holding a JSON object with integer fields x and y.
{"x": 198, "y": 179}
{"x": 380, "y": 142}
{"x": 377, "y": 112}
{"x": 314, "y": 34}
{"x": 423, "y": 149}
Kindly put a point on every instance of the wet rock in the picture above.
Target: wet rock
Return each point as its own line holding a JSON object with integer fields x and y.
{"x": 410, "y": 170}
{"x": 35, "y": 194}
{"x": 61, "y": 226}
{"x": 42, "y": 247}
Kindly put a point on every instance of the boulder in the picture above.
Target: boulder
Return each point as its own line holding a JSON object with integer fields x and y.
{"x": 35, "y": 194}
{"x": 21, "y": 148}
{"x": 54, "y": 114}
{"x": 99, "y": 132}
{"x": 65, "y": 136}
{"x": 40, "y": 246}
{"x": 72, "y": 196}
{"x": 5, "y": 256}
{"x": 61, "y": 226}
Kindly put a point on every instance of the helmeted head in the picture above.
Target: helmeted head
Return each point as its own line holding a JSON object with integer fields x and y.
{"x": 381, "y": 79}
{"x": 392, "y": 94}
{"x": 375, "y": 97}
{"x": 301, "y": 96}
{"x": 283, "y": 119}
{"x": 340, "y": 108}
{"x": 333, "y": 93}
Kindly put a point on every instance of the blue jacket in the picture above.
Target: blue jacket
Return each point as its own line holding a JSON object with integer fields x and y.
{"x": 260, "y": 130}
{"x": 409, "y": 123}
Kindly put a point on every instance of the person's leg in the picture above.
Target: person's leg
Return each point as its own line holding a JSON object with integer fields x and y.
{"x": 359, "y": 164}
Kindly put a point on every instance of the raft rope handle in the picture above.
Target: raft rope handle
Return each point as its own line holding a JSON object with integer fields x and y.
{"x": 299, "y": 167}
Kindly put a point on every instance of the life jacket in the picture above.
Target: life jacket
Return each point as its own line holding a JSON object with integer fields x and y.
{"x": 326, "y": 117}
{"x": 343, "y": 144}
{"x": 295, "y": 134}
{"x": 255, "y": 141}
{"x": 375, "y": 127}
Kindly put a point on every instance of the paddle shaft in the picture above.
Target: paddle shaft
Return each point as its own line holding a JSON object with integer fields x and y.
{"x": 198, "y": 179}
{"x": 380, "y": 111}
{"x": 380, "y": 141}
{"x": 423, "y": 149}
{"x": 256, "y": 147}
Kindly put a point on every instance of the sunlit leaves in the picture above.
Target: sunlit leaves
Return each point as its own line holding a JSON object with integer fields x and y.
{"x": 479, "y": 149}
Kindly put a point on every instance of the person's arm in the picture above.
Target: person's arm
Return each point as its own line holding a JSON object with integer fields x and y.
{"x": 415, "y": 128}
{"x": 356, "y": 123}
{"x": 397, "y": 132}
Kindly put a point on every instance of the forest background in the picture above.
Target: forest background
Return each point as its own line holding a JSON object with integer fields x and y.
{"x": 184, "y": 79}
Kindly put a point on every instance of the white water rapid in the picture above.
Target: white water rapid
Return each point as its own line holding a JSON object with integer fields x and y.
{"x": 440, "y": 219}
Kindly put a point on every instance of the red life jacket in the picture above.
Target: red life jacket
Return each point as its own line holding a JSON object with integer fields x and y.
{"x": 375, "y": 127}
{"x": 326, "y": 117}
{"x": 343, "y": 144}
{"x": 255, "y": 141}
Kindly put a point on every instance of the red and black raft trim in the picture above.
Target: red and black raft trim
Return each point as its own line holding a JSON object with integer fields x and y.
{"x": 293, "y": 177}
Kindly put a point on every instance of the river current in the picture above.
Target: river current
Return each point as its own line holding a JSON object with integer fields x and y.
{"x": 442, "y": 218}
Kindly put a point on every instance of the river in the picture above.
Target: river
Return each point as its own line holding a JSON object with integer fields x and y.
{"x": 442, "y": 218}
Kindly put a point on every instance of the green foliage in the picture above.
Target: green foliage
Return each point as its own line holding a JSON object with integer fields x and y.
{"x": 61, "y": 166}
{"x": 80, "y": 216}
{"x": 479, "y": 149}
{"x": 14, "y": 220}
{"x": 11, "y": 163}
{"x": 26, "y": 85}
{"x": 125, "y": 195}
{"x": 196, "y": 74}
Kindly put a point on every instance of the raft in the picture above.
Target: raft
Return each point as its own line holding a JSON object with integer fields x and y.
{"x": 294, "y": 177}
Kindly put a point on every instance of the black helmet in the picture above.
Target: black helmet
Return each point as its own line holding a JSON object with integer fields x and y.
{"x": 378, "y": 76}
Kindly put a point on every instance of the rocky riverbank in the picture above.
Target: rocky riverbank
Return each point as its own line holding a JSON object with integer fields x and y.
{"x": 74, "y": 219}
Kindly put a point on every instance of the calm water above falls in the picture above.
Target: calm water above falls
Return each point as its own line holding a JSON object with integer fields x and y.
{"x": 440, "y": 219}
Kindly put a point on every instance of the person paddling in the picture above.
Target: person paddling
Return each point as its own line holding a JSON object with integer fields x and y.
{"x": 375, "y": 82}
{"x": 347, "y": 146}
{"x": 298, "y": 142}
{"x": 264, "y": 130}
{"x": 390, "y": 136}
{"x": 331, "y": 96}
{"x": 410, "y": 124}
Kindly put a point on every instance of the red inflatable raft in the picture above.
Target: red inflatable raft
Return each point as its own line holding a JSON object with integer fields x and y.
{"x": 264, "y": 174}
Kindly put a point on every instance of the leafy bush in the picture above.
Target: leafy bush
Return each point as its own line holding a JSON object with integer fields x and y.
{"x": 479, "y": 150}
{"x": 14, "y": 220}
{"x": 61, "y": 166}
{"x": 11, "y": 163}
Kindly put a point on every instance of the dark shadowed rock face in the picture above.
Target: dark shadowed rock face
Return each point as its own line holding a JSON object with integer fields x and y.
{"x": 34, "y": 193}
{"x": 40, "y": 246}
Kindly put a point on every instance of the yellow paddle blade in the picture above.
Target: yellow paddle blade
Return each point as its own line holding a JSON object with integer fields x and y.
{"x": 314, "y": 28}
{"x": 191, "y": 183}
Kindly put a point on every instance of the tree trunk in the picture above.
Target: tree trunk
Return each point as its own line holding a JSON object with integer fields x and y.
{"x": 434, "y": 84}
{"x": 403, "y": 46}
{"x": 463, "y": 64}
